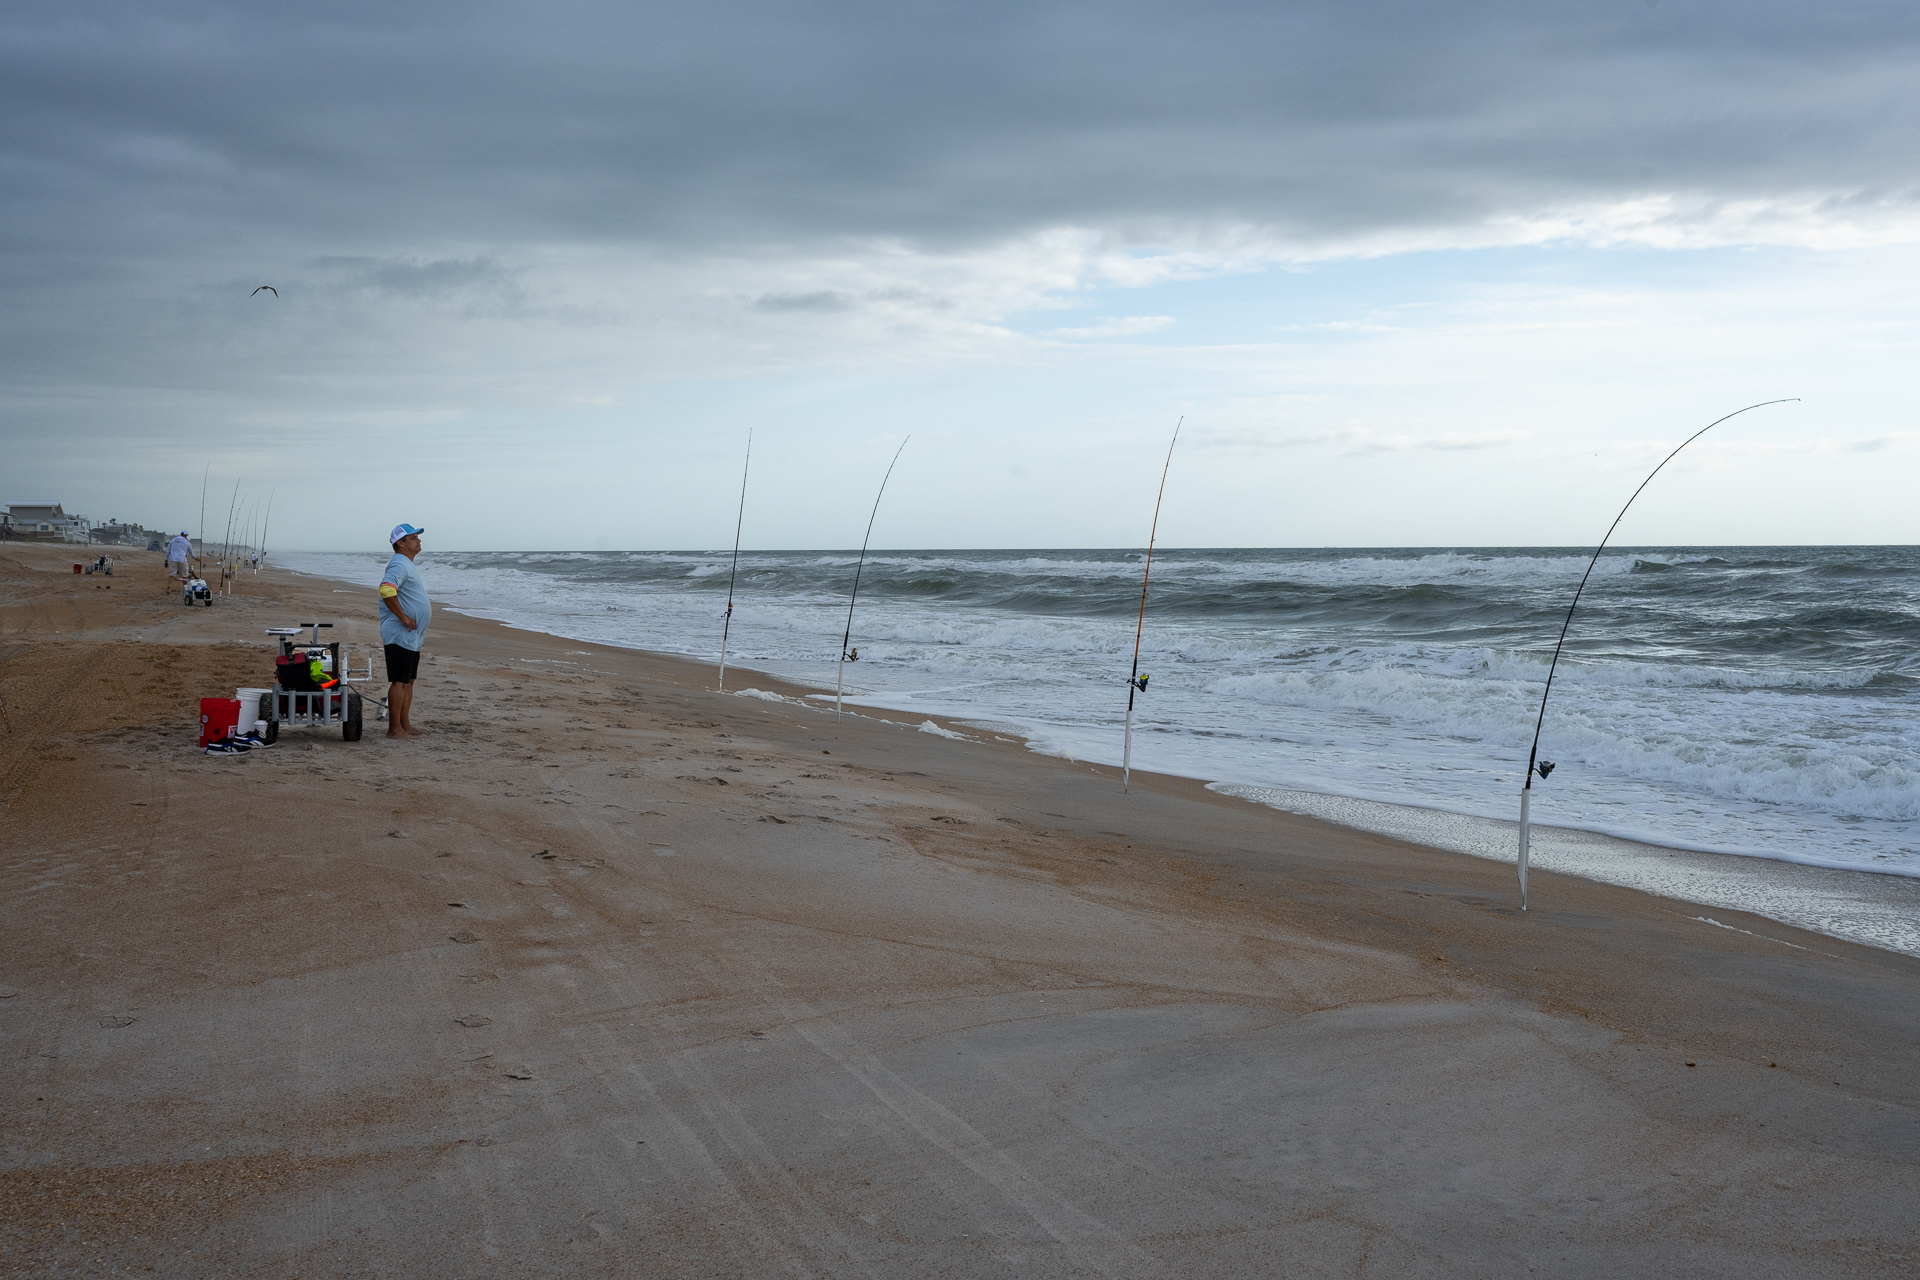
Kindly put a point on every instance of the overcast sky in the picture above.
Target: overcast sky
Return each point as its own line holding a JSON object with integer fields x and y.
{"x": 1413, "y": 274}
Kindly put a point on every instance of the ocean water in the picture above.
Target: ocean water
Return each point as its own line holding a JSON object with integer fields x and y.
{"x": 1757, "y": 700}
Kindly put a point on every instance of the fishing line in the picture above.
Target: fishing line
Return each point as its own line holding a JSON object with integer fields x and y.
{"x": 1137, "y": 683}
{"x": 738, "y": 521}
{"x": 847, "y": 638}
{"x": 1545, "y": 767}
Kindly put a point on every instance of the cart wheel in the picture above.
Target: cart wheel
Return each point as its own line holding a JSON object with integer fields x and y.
{"x": 353, "y": 726}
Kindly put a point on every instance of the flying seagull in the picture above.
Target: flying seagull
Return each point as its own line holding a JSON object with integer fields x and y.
{"x": 269, "y": 288}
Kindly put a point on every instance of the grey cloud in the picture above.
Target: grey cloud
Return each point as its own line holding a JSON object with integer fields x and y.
{"x": 159, "y": 158}
{"x": 1351, "y": 440}
{"x": 1879, "y": 444}
{"x": 834, "y": 300}
{"x": 474, "y": 288}
{"x": 436, "y": 280}
{"x": 1246, "y": 440}
{"x": 129, "y": 126}
{"x": 1448, "y": 442}
{"x": 821, "y": 301}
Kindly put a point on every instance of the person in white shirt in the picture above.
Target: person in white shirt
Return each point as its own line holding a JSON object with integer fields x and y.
{"x": 179, "y": 551}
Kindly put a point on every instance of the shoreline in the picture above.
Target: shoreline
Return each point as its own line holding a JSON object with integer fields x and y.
{"x": 1840, "y": 901}
{"x": 1875, "y": 908}
{"x": 613, "y": 975}
{"x": 1431, "y": 727}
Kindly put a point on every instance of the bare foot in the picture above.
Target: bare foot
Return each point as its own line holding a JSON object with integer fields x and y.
{"x": 398, "y": 733}
{"x": 415, "y": 733}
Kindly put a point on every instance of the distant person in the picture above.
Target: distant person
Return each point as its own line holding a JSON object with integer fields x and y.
{"x": 179, "y": 551}
{"x": 404, "y": 614}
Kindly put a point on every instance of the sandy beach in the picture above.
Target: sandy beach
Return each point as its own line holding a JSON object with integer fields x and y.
{"x": 612, "y": 975}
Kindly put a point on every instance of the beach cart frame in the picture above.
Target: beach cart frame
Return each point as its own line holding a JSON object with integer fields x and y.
{"x": 321, "y": 708}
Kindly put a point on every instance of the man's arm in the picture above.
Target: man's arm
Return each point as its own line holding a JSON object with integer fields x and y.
{"x": 390, "y": 597}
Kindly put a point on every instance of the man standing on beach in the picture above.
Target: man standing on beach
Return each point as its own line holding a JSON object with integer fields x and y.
{"x": 404, "y": 614}
{"x": 179, "y": 548}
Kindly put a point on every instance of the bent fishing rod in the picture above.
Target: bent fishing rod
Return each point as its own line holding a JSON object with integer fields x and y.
{"x": 738, "y": 521}
{"x": 847, "y": 638}
{"x": 1535, "y": 765}
{"x": 1137, "y": 683}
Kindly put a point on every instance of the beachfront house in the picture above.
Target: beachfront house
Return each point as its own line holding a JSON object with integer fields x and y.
{"x": 39, "y": 521}
{"x": 114, "y": 533}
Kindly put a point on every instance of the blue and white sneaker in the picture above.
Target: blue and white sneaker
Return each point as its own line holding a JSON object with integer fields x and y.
{"x": 228, "y": 747}
{"x": 250, "y": 740}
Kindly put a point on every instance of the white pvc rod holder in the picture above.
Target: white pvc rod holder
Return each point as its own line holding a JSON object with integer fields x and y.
{"x": 1526, "y": 794}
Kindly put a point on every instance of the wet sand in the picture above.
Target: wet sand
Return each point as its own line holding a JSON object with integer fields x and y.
{"x": 1879, "y": 909}
{"x": 612, "y": 975}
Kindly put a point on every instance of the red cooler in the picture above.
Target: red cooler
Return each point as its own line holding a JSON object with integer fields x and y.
{"x": 218, "y": 717}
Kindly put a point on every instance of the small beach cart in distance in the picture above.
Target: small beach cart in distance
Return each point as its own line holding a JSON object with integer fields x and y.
{"x": 315, "y": 707}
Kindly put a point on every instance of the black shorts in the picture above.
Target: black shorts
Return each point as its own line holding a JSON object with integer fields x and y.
{"x": 403, "y": 664}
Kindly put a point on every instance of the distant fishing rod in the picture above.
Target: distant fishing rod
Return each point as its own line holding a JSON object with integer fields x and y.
{"x": 226, "y": 542}
{"x": 847, "y": 639}
{"x": 1137, "y": 683}
{"x": 265, "y": 525}
{"x": 738, "y": 522}
{"x": 1545, "y": 767}
{"x": 203, "y": 508}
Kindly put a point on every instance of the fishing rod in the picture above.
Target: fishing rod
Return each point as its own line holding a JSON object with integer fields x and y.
{"x": 203, "y": 509}
{"x": 266, "y": 524}
{"x": 226, "y": 542}
{"x": 1137, "y": 683}
{"x": 738, "y": 521}
{"x": 1535, "y": 765}
{"x": 847, "y": 639}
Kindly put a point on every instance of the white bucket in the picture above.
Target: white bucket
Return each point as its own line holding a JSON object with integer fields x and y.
{"x": 253, "y": 706}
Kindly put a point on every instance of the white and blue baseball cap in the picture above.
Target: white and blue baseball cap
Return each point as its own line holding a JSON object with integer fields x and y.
{"x": 400, "y": 531}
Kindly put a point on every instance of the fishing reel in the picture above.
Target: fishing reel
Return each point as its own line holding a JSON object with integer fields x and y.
{"x": 1139, "y": 682}
{"x": 1544, "y": 768}
{"x": 853, "y": 655}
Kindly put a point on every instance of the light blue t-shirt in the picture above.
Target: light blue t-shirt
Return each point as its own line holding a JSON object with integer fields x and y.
{"x": 412, "y": 601}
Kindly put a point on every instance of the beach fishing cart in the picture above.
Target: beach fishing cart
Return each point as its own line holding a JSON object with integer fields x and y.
{"x": 304, "y": 698}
